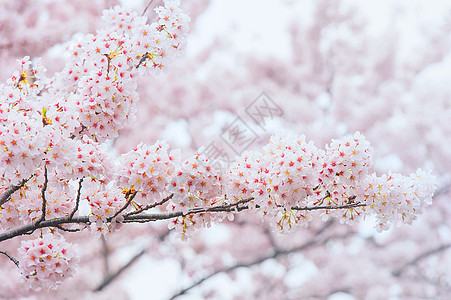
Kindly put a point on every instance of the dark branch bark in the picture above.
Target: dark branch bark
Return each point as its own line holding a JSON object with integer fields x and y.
{"x": 346, "y": 206}
{"x": 6, "y": 46}
{"x": 77, "y": 200}
{"x": 68, "y": 229}
{"x": 141, "y": 218}
{"x": 44, "y": 201}
{"x": 10, "y": 190}
{"x": 46, "y": 223}
{"x": 14, "y": 260}
{"x": 129, "y": 200}
{"x": 169, "y": 215}
{"x": 150, "y": 206}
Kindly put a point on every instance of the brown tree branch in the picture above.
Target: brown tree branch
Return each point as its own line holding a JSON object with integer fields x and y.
{"x": 14, "y": 260}
{"x": 25, "y": 229}
{"x": 68, "y": 229}
{"x": 346, "y": 206}
{"x": 77, "y": 200}
{"x": 150, "y": 206}
{"x": 11, "y": 189}
{"x": 170, "y": 215}
{"x": 141, "y": 218}
{"x": 44, "y": 201}
{"x": 129, "y": 200}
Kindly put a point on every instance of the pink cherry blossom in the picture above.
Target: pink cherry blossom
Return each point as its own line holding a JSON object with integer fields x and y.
{"x": 47, "y": 261}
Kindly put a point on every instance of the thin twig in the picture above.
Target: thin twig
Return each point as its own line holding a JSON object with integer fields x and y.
{"x": 67, "y": 229}
{"x": 129, "y": 200}
{"x": 77, "y": 200}
{"x": 44, "y": 201}
{"x": 14, "y": 260}
{"x": 150, "y": 206}
{"x": 271, "y": 239}
{"x": 346, "y": 206}
{"x": 11, "y": 189}
{"x": 323, "y": 228}
{"x": 143, "y": 59}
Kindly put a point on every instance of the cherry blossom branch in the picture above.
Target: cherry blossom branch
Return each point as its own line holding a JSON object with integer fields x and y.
{"x": 25, "y": 229}
{"x": 347, "y": 206}
{"x": 164, "y": 216}
{"x": 420, "y": 257}
{"x": 11, "y": 189}
{"x": 437, "y": 280}
{"x": 224, "y": 208}
{"x": 144, "y": 218}
{"x": 271, "y": 239}
{"x": 14, "y": 260}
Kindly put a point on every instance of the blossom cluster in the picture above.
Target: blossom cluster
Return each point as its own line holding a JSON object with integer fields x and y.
{"x": 52, "y": 131}
{"x": 398, "y": 199}
{"x": 196, "y": 183}
{"x": 281, "y": 184}
{"x": 21, "y": 132}
{"x": 46, "y": 261}
{"x": 59, "y": 122}
{"x": 294, "y": 173}
{"x": 100, "y": 78}
{"x": 146, "y": 169}
{"x": 106, "y": 202}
